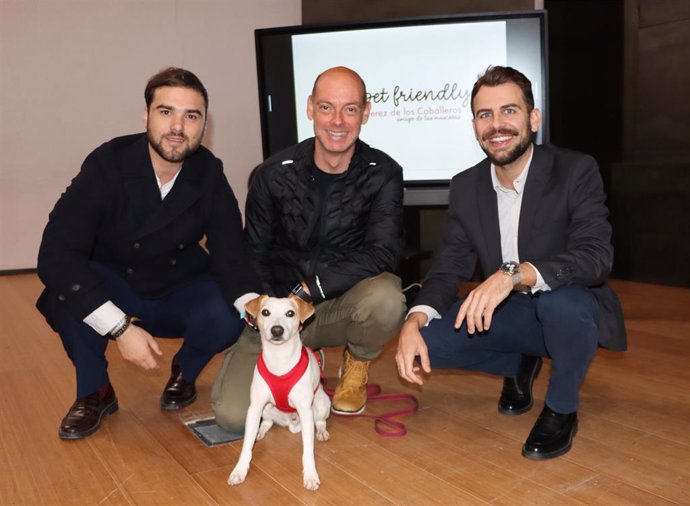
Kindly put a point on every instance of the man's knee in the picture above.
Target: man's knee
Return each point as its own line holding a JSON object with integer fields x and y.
{"x": 212, "y": 323}
{"x": 229, "y": 415}
{"x": 570, "y": 319}
{"x": 230, "y": 396}
{"x": 570, "y": 303}
{"x": 379, "y": 299}
{"x": 230, "y": 392}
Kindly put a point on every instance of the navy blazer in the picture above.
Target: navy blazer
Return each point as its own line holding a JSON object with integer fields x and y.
{"x": 112, "y": 213}
{"x": 563, "y": 231}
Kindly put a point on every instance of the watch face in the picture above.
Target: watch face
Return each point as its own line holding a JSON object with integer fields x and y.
{"x": 510, "y": 267}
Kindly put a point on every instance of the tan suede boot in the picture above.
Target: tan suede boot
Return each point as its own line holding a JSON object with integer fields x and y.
{"x": 350, "y": 397}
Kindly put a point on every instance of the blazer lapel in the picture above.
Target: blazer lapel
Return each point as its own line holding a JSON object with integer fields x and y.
{"x": 537, "y": 179}
{"x": 139, "y": 184}
{"x": 184, "y": 193}
{"x": 487, "y": 207}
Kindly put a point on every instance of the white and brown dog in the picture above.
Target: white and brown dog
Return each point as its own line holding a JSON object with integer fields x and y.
{"x": 286, "y": 387}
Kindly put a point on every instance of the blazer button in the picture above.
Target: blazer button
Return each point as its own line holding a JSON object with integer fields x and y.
{"x": 180, "y": 246}
{"x": 129, "y": 270}
{"x": 61, "y": 297}
{"x": 173, "y": 261}
{"x": 76, "y": 287}
{"x": 136, "y": 245}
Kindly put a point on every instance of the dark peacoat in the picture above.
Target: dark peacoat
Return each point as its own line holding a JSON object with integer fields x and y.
{"x": 112, "y": 213}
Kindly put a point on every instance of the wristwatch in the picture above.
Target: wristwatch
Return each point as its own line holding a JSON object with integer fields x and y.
{"x": 512, "y": 269}
{"x": 299, "y": 290}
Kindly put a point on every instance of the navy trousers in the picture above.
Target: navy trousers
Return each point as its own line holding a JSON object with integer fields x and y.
{"x": 197, "y": 312}
{"x": 560, "y": 324}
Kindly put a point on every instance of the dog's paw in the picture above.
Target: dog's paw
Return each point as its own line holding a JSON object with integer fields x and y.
{"x": 263, "y": 429}
{"x": 311, "y": 482}
{"x": 322, "y": 435}
{"x": 295, "y": 427}
{"x": 237, "y": 476}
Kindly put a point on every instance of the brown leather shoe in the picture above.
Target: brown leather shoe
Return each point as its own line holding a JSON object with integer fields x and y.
{"x": 350, "y": 396}
{"x": 178, "y": 392}
{"x": 85, "y": 415}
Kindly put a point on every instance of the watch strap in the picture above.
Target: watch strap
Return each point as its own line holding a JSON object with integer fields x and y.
{"x": 300, "y": 292}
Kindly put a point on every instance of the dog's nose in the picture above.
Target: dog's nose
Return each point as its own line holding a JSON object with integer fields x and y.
{"x": 277, "y": 331}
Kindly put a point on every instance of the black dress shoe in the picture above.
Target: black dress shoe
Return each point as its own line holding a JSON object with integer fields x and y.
{"x": 85, "y": 415}
{"x": 516, "y": 397}
{"x": 551, "y": 436}
{"x": 178, "y": 392}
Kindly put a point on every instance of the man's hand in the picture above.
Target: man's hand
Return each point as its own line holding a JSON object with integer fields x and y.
{"x": 136, "y": 345}
{"x": 480, "y": 304}
{"x": 410, "y": 345}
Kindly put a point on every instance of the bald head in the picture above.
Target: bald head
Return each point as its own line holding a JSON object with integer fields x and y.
{"x": 338, "y": 108}
{"x": 343, "y": 76}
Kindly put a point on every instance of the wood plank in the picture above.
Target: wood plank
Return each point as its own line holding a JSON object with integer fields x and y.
{"x": 43, "y": 468}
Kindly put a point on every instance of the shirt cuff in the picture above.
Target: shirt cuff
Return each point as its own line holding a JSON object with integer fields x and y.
{"x": 429, "y": 311}
{"x": 243, "y": 299}
{"x": 104, "y": 318}
{"x": 540, "y": 285}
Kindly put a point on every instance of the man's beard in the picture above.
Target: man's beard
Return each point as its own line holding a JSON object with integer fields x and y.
{"x": 510, "y": 156}
{"x": 171, "y": 155}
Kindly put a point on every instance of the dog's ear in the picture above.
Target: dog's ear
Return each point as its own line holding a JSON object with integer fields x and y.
{"x": 253, "y": 306}
{"x": 304, "y": 309}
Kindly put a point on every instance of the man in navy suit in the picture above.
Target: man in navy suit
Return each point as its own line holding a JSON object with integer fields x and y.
{"x": 121, "y": 257}
{"x": 535, "y": 220}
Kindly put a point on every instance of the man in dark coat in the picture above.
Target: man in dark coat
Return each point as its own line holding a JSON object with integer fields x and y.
{"x": 324, "y": 221}
{"x": 534, "y": 218}
{"x": 121, "y": 257}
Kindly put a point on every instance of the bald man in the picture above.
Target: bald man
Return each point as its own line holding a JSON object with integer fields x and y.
{"x": 324, "y": 223}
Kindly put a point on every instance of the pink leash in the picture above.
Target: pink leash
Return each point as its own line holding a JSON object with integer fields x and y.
{"x": 385, "y": 424}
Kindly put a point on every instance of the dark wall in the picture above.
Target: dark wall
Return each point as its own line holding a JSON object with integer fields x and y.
{"x": 333, "y": 11}
{"x": 650, "y": 197}
{"x": 657, "y": 80}
{"x": 619, "y": 76}
{"x": 585, "y": 47}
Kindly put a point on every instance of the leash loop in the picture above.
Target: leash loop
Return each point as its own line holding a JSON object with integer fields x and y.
{"x": 385, "y": 424}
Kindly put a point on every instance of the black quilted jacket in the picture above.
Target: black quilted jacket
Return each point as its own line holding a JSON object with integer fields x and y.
{"x": 360, "y": 234}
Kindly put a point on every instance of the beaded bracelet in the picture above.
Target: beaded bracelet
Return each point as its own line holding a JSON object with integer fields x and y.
{"x": 122, "y": 326}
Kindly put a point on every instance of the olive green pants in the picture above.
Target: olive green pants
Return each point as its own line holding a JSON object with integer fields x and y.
{"x": 364, "y": 318}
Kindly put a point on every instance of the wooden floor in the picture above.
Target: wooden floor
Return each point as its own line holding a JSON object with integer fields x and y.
{"x": 633, "y": 445}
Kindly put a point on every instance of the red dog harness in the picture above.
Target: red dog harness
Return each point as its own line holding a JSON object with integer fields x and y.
{"x": 282, "y": 385}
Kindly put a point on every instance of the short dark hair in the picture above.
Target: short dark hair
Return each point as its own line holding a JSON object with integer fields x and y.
{"x": 176, "y": 77}
{"x": 497, "y": 75}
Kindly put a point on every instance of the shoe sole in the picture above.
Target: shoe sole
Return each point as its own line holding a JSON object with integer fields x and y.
{"x": 553, "y": 454}
{"x": 348, "y": 413}
{"x": 178, "y": 405}
{"x": 73, "y": 436}
{"x": 514, "y": 412}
